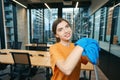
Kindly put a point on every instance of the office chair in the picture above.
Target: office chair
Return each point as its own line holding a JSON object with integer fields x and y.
{"x": 41, "y": 47}
{"x": 16, "y": 45}
{"x": 3, "y": 67}
{"x": 22, "y": 66}
{"x": 9, "y": 45}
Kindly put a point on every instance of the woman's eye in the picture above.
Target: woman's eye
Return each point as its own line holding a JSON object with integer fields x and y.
{"x": 60, "y": 29}
{"x": 67, "y": 26}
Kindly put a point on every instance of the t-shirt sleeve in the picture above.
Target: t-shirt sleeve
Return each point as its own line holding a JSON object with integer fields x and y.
{"x": 54, "y": 56}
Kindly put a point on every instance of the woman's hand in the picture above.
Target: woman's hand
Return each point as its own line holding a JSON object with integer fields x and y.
{"x": 91, "y": 49}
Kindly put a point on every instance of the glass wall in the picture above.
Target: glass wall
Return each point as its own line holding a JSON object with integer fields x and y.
{"x": 104, "y": 38}
{"x": 106, "y": 28}
{"x": 97, "y": 24}
{"x": 91, "y": 26}
{"x": 115, "y": 42}
{"x": 37, "y": 24}
{"x": 9, "y": 22}
{"x": 49, "y": 17}
{"x": 41, "y": 20}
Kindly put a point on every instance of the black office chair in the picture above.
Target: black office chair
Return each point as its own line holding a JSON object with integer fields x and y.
{"x": 41, "y": 47}
{"x": 9, "y": 45}
{"x": 3, "y": 67}
{"x": 16, "y": 45}
{"x": 22, "y": 66}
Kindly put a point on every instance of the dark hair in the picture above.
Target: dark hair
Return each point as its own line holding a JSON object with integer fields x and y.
{"x": 54, "y": 26}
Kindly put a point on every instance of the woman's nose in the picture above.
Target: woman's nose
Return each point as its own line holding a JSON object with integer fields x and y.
{"x": 65, "y": 30}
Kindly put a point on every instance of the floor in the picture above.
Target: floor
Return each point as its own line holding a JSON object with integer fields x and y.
{"x": 41, "y": 76}
{"x": 100, "y": 74}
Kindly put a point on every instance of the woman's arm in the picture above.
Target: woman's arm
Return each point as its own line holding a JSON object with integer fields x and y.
{"x": 67, "y": 66}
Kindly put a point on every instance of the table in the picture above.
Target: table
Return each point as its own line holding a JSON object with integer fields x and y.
{"x": 37, "y": 60}
{"x": 48, "y": 45}
{"x": 43, "y": 61}
{"x": 33, "y": 46}
{"x": 88, "y": 67}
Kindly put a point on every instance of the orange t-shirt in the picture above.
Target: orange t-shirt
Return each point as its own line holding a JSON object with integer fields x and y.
{"x": 58, "y": 52}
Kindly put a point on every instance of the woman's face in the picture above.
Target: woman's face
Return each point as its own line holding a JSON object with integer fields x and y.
{"x": 63, "y": 31}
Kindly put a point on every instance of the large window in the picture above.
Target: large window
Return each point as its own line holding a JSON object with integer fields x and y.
{"x": 41, "y": 20}
{"x": 37, "y": 24}
{"x": 115, "y": 42}
{"x": 109, "y": 34}
{"x": 49, "y": 17}
{"x": 91, "y": 26}
{"x": 104, "y": 35}
{"x": 10, "y": 21}
{"x": 97, "y": 24}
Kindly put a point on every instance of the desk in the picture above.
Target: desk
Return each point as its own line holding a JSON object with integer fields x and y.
{"x": 43, "y": 61}
{"x": 88, "y": 67}
{"x": 35, "y": 59}
{"x": 48, "y": 45}
{"x": 34, "y": 46}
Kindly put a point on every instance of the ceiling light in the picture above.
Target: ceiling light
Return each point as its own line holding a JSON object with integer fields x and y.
{"x": 76, "y": 6}
{"x": 117, "y": 5}
{"x": 47, "y": 6}
{"x": 19, "y": 3}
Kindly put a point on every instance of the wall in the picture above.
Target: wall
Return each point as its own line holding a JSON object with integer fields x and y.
{"x": 22, "y": 25}
{"x": 110, "y": 65}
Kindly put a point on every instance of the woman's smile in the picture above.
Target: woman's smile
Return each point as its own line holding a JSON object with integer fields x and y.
{"x": 67, "y": 35}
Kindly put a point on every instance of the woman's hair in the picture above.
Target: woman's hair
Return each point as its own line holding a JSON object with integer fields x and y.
{"x": 54, "y": 26}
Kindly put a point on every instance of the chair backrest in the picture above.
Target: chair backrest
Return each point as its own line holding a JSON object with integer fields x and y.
{"x": 42, "y": 46}
{"x": 21, "y": 58}
{"x": 35, "y": 40}
{"x": 16, "y": 45}
{"x": 9, "y": 45}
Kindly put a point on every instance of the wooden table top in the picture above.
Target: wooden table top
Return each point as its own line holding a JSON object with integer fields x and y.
{"x": 88, "y": 66}
{"x": 35, "y": 59}
{"x": 34, "y": 45}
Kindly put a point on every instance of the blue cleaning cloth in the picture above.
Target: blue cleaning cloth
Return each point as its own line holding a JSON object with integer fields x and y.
{"x": 91, "y": 49}
{"x": 82, "y": 42}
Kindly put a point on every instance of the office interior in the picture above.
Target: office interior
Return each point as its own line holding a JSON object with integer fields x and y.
{"x": 30, "y": 21}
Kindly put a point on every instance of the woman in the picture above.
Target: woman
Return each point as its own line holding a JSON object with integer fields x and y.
{"x": 66, "y": 58}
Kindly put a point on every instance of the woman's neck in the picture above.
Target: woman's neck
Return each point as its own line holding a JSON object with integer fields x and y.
{"x": 65, "y": 43}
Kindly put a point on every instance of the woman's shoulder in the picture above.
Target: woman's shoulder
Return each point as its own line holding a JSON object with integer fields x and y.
{"x": 58, "y": 45}
{"x": 72, "y": 43}
{"x": 55, "y": 45}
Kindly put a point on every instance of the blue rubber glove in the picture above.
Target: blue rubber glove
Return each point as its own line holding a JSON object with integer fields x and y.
{"x": 91, "y": 49}
{"x": 82, "y": 42}
{"x": 92, "y": 52}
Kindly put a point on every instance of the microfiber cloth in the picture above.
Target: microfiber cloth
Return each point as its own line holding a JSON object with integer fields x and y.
{"x": 91, "y": 49}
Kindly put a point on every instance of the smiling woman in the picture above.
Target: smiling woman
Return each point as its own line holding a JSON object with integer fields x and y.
{"x": 66, "y": 59}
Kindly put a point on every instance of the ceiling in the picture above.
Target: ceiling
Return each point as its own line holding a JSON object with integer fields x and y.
{"x": 55, "y": 3}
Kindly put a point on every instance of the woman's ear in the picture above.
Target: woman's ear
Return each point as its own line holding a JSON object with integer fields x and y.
{"x": 56, "y": 36}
